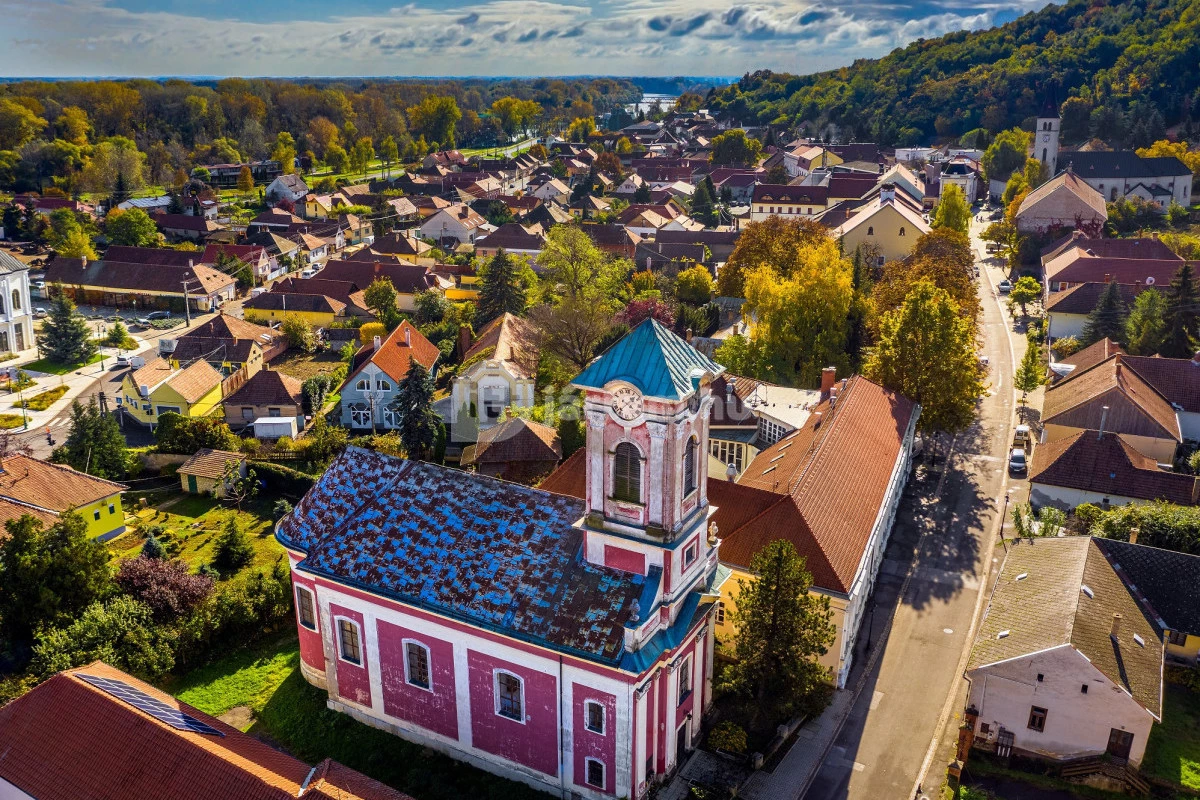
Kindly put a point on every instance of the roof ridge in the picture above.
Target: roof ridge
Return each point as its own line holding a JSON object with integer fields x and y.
{"x": 61, "y": 468}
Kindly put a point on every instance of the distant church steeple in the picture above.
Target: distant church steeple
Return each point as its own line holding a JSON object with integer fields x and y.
{"x": 1045, "y": 135}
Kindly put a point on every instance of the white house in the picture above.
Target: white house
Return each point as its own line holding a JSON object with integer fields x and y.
{"x": 458, "y": 222}
{"x": 1065, "y": 664}
{"x": 288, "y": 187}
{"x": 16, "y": 321}
{"x": 553, "y": 189}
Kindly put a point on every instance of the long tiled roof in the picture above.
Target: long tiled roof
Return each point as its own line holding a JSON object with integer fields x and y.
{"x": 1065, "y": 181}
{"x": 1112, "y": 378}
{"x": 1076, "y": 266}
{"x": 267, "y": 387}
{"x": 1049, "y": 608}
{"x": 1093, "y": 354}
{"x": 53, "y": 486}
{"x": 515, "y": 440}
{"x": 139, "y": 277}
{"x": 1122, "y": 164}
{"x": 493, "y": 554}
{"x": 1109, "y": 465}
{"x": 653, "y": 359}
{"x": 1176, "y": 379}
{"x": 8, "y": 264}
{"x": 1167, "y": 583}
{"x": 1083, "y": 297}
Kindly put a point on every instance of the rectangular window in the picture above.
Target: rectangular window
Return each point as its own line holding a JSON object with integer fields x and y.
{"x": 417, "y": 658}
{"x": 593, "y": 717}
{"x": 1178, "y": 638}
{"x": 273, "y": 412}
{"x": 112, "y": 508}
{"x": 348, "y": 633}
{"x": 690, "y": 553}
{"x": 96, "y": 514}
{"x": 1083, "y": 689}
{"x": 1037, "y": 719}
{"x": 595, "y": 773}
{"x": 305, "y": 609}
{"x": 720, "y": 613}
{"x": 508, "y": 697}
{"x": 685, "y": 679}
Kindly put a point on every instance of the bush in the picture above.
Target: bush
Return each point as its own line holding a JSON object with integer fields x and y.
{"x": 233, "y": 549}
{"x": 1065, "y": 346}
{"x": 1184, "y": 676}
{"x": 1159, "y": 524}
{"x": 250, "y": 446}
{"x": 153, "y": 548}
{"x": 166, "y": 587}
{"x": 247, "y": 608}
{"x": 121, "y": 632}
{"x": 299, "y": 333}
{"x": 184, "y": 435}
{"x": 1088, "y": 515}
{"x": 281, "y": 509}
{"x": 728, "y": 736}
{"x": 284, "y": 480}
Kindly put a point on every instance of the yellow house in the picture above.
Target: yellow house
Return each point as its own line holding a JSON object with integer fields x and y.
{"x": 317, "y": 310}
{"x": 46, "y": 490}
{"x": 159, "y": 387}
{"x": 888, "y": 222}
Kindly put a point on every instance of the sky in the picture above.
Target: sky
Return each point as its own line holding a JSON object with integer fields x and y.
{"x": 59, "y": 38}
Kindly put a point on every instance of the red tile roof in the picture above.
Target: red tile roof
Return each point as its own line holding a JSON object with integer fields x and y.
{"x": 512, "y": 340}
{"x": 56, "y": 487}
{"x": 267, "y": 387}
{"x": 395, "y": 355}
{"x": 1093, "y": 354}
{"x": 1109, "y": 465}
{"x": 1076, "y": 401}
{"x": 515, "y": 440}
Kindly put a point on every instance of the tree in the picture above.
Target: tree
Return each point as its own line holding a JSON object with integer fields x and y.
{"x": 435, "y": 118}
{"x": 95, "y": 444}
{"x": 337, "y": 159}
{"x": 704, "y": 205}
{"x": 641, "y": 309}
{"x": 782, "y": 629}
{"x": 580, "y": 129}
{"x": 322, "y": 134}
{"x": 233, "y": 549}
{"x": 572, "y": 261}
{"x": 1107, "y": 319}
{"x": 18, "y": 124}
{"x": 623, "y": 146}
{"x": 573, "y": 328}
{"x": 1026, "y": 290}
{"x": 152, "y": 548}
{"x": 120, "y": 632}
{"x": 1030, "y": 373}
{"x": 232, "y": 265}
{"x": 1146, "y": 328}
{"x": 164, "y": 585}
{"x": 389, "y": 153}
{"x": 735, "y": 148}
{"x": 300, "y": 334}
{"x": 641, "y": 194}
{"x": 380, "y": 297}
{"x": 176, "y": 433}
{"x": 245, "y": 181}
{"x": 775, "y": 241}
{"x": 362, "y": 154}
{"x": 76, "y": 244}
{"x": 1165, "y": 148}
{"x": 1182, "y": 315}
{"x": 66, "y": 337}
{"x": 48, "y": 575}
{"x": 501, "y": 289}
{"x": 943, "y": 257}
{"x": 694, "y": 285}
{"x": 926, "y": 352}
{"x": 285, "y": 152}
{"x": 132, "y": 228}
{"x": 235, "y": 486}
{"x": 952, "y": 210}
{"x": 418, "y": 421}
{"x": 116, "y": 167}
{"x": 1006, "y": 154}
{"x": 514, "y": 114}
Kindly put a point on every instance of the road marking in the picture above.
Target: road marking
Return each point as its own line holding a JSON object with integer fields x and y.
{"x": 947, "y": 630}
{"x": 876, "y": 699}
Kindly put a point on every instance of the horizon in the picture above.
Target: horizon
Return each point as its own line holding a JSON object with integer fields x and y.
{"x": 424, "y": 39}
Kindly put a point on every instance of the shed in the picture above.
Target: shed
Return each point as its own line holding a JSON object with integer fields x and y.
{"x": 201, "y": 473}
{"x": 275, "y": 427}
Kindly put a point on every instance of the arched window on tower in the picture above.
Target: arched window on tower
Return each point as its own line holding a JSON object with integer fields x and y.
{"x": 1044, "y": 160}
{"x": 689, "y": 467}
{"x": 16, "y": 300}
{"x": 901, "y": 230}
{"x": 870, "y": 230}
{"x": 627, "y": 473}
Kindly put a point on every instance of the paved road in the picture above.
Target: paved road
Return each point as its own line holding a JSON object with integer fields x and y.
{"x": 934, "y": 571}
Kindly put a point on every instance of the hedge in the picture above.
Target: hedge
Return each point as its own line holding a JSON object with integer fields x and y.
{"x": 284, "y": 480}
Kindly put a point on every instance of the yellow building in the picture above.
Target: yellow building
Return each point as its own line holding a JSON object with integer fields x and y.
{"x": 317, "y": 310}
{"x": 46, "y": 490}
{"x": 891, "y": 223}
{"x": 159, "y": 387}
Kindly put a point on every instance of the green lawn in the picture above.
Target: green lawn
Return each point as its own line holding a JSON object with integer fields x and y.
{"x": 42, "y": 400}
{"x": 54, "y": 368}
{"x": 10, "y": 421}
{"x": 266, "y": 678}
{"x": 1173, "y": 752}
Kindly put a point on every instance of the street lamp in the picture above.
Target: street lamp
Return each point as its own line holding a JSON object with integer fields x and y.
{"x": 102, "y": 329}
{"x": 1003, "y": 517}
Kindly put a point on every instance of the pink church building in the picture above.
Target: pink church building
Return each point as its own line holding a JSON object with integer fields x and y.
{"x": 562, "y": 642}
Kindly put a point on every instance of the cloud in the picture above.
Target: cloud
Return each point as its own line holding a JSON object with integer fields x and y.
{"x": 468, "y": 20}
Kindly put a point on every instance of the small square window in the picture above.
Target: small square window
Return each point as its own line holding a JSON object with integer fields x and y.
{"x": 690, "y": 553}
{"x": 112, "y": 508}
{"x": 984, "y": 728}
{"x": 1037, "y": 719}
{"x": 595, "y": 773}
{"x": 1083, "y": 689}
{"x": 593, "y": 717}
{"x": 1040, "y": 676}
{"x": 1177, "y": 638}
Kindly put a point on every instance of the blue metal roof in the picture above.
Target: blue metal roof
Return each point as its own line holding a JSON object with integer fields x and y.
{"x": 653, "y": 359}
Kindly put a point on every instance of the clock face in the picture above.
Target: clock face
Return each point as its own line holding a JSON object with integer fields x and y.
{"x": 1046, "y": 137}
{"x": 627, "y": 402}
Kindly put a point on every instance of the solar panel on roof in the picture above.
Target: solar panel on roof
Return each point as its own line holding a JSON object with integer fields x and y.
{"x": 155, "y": 708}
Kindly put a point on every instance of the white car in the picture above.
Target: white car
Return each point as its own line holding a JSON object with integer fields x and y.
{"x": 1005, "y": 286}
{"x": 39, "y": 313}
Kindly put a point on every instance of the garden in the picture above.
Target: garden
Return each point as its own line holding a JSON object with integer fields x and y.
{"x": 1173, "y": 752}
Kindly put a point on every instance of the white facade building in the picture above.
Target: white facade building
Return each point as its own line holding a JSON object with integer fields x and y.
{"x": 16, "y": 318}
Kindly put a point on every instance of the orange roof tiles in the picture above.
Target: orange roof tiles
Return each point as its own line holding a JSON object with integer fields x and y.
{"x": 1108, "y": 464}
{"x": 512, "y": 339}
{"x": 395, "y": 355}
{"x": 30, "y": 481}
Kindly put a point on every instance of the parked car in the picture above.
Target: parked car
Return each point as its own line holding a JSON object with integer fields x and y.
{"x": 1005, "y": 286}
{"x": 1017, "y": 461}
{"x": 153, "y": 315}
{"x": 124, "y": 361}
{"x": 39, "y": 313}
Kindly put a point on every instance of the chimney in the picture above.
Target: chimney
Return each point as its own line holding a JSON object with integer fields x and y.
{"x": 1107, "y": 278}
{"x": 730, "y": 472}
{"x": 83, "y": 260}
{"x": 687, "y": 336}
{"x": 817, "y": 415}
{"x": 1133, "y": 534}
{"x": 828, "y": 379}
{"x": 1195, "y": 358}
{"x": 378, "y": 341}
{"x": 191, "y": 263}
{"x": 407, "y": 336}
{"x": 887, "y": 193}
{"x": 1116, "y": 627}
{"x": 1103, "y": 419}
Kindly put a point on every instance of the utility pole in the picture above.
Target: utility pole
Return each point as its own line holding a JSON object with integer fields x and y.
{"x": 186, "y": 308}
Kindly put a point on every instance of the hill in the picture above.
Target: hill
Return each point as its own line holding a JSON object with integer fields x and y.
{"x": 1124, "y": 69}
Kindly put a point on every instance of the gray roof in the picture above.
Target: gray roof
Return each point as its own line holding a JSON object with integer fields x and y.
{"x": 1167, "y": 583}
{"x": 1040, "y": 602}
{"x": 8, "y": 264}
{"x": 1122, "y": 164}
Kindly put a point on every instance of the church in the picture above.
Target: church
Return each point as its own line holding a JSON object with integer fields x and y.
{"x": 563, "y": 642}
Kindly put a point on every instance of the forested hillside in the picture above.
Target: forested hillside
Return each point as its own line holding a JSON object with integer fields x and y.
{"x": 1124, "y": 69}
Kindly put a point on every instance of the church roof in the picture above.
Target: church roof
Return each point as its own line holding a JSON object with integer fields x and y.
{"x": 653, "y": 359}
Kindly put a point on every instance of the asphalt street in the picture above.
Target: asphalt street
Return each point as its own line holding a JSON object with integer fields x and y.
{"x": 929, "y": 591}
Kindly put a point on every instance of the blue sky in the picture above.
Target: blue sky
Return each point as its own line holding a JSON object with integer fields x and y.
{"x": 466, "y": 37}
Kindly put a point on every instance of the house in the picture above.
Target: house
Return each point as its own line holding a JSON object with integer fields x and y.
{"x": 268, "y": 393}
{"x": 889, "y": 223}
{"x": 225, "y": 176}
{"x": 151, "y": 205}
{"x": 211, "y": 471}
{"x": 455, "y": 224}
{"x": 553, "y": 189}
{"x": 803, "y": 159}
{"x": 262, "y": 265}
{"x": 964, "y": 175}
{"x": 578, "y": 657}
{"x": 46, "y": 490}
{"x": 370, "y": 391}
{"x": 1067, "y": 311}
{"x": 273, "y": 220}
{"x": 16, "y": 309}
{"x": 161, "y": 387}
{"x": 142, "y": 285}
{"x": 55, "y": 738}
{"x": 408, "y": 280}
{"x": 280, "y": 250}
{"x": 317, "y": 310}
{"x": 499, "y": 369}
{"x": 613, "y": 239}
{"x": 1079, "y": 265}
{"x": 517, "y": 450}
{"x": 403, "y": 244}
{"x": 1167, "y": 585}
{"x": 781, "y": 200}
{"x": 514, "y": 239}
{"x": 289, "y": 187}
{"x": 1063, "y": 202}
{"x": 189, "y": 227}
{"x": 1105, "y": 469}
{"x": 237, "y": 340}
{"x": 1078, "y": 242}
{"x": 749, "y": 415}
{"x": 719, "y": 243}
{"x": 1065, "y": 663}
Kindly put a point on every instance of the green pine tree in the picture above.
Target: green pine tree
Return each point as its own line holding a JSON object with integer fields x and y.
{"x": 1183, "y": 315}
{"x": 152, "y": 548}
{"x": 120, "y": 189}
{"x": 233, "y": 549}
{"x": 1107, "y": 319}
{"x": 95, "y": 444}
{"x": 1030, "y": 373}
{"x": 66, "y": 337}
{"x": 1146, "y": 327}
{"x": 501, "y": 289}
{"x": 702, "y": 204}
{"x": 418, "y": 422}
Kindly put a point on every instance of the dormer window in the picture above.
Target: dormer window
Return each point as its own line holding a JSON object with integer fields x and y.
{"x": 627, "y": 473}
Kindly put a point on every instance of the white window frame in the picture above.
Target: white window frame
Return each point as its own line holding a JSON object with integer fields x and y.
{"x": 362, "y": 385}
{"x": 316, "y": 626}
{"x": 382, "y": 385}
{"x": 603, "y": 716}
{"x": 693, "y": 548}
{"x": 587, "y": 762}
{"x": 428, "y": 666}
{"x": 337, "y": 628}
{"x": 685, "y": 668}
{"x": 496, "y": 694}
